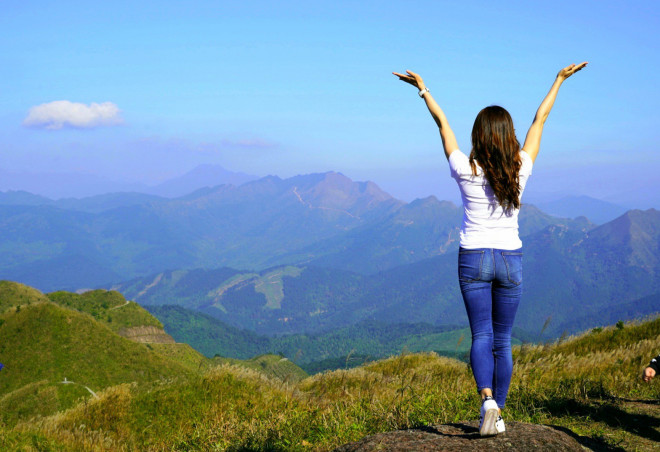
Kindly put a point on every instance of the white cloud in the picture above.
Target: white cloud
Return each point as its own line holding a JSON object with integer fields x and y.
{"x": 61, "y": 113}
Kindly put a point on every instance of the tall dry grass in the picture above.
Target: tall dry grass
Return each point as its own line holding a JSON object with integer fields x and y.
{"x": 230, "y": 407}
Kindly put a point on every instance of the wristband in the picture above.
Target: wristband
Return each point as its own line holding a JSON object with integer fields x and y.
{"x": 423, "y": 91}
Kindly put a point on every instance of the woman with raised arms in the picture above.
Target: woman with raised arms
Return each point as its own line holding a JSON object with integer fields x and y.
{"x": 491, "y": 180}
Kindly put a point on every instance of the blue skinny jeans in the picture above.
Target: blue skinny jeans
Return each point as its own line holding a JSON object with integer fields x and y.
{"x": 491, "y": 285}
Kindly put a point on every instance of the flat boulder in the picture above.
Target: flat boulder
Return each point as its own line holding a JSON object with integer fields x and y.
{"x": 464, "y": 436}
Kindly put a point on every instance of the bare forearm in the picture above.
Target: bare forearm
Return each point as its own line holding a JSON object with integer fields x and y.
{"x": 548, "y": 102}
{"x": 446, "y": 134}
{"x": 437, "y": 113}
{"x": 448, "y": 139}
{"x": 545, "y": 107}
{"x": 533, "y": 138}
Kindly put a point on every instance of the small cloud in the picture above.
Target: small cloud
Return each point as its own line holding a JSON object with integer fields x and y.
{"x": 61, "y": 113}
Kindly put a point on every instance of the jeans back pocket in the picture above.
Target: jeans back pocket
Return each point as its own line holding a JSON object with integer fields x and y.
{"x": 470, "y": 263}
{"x": 513, "y": 262}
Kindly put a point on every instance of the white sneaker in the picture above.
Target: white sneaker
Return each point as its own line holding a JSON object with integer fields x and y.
{"x": 499, "y": 425}
{"x": 489, "y": 415}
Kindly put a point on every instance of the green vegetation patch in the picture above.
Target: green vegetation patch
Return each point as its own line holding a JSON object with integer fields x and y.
{"x": 274, "y": 366}
{"x": 13, "y": 294}
{"x": 46, "y": 342}
{"x": 107, "y": 306}
{"x": 272, "y": 286}
{"x": 235, "y": 280}
{"x": 589, "y": 384}
{"x": 183, "y": 354}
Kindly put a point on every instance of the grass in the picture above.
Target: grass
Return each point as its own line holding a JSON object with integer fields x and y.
{"x": 183, "y": 354}
{"x": 106, "y": 306}
{"x": 43, "y": 343}
{"x": 272, "y": 286}
{"x": 274, "y": 366}
{"x": 589, "y": 384}
{"x": 14, "y": 294}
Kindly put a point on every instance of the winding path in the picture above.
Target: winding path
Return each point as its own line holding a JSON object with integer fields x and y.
{"x": 69, "y": 382}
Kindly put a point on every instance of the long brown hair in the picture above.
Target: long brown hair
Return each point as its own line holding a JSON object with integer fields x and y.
{"x": 497, "y": 150}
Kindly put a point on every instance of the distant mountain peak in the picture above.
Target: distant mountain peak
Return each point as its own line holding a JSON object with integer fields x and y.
{"x": 595, "y": 210}
{"x": 430, "y": 201}
{"x": 626, "y": 224}
{"x": 633, "y": 234}
{"x": 334, "y": 191}
{"x": 201, "y": 176}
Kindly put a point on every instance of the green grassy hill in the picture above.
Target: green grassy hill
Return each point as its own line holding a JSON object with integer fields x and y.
{"x": 56, "y": 353}
{"x": 14, "y": 294}
{"x": 44, "y": 344}
{"x": 588, "y": 384}
{"x": 274, "y": 366}
{"x": 108, "y": 307}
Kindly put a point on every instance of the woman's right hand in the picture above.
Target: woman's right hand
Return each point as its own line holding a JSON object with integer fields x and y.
{"x": 570, "y": 70}
{"x": 412, "y": 78}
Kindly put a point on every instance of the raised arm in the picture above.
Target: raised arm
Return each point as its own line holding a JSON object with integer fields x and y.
{"x": 446, "y": 134}
{"x": 533, "y": 138}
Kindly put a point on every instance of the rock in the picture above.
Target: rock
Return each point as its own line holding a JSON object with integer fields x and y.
{"x": 464, "y": 436}
{"x": 147, "y": 334}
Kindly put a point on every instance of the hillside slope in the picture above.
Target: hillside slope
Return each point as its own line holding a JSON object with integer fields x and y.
{"x": 56, "y": 353}
{"x": 337, "y": 348}
{"x": 109, "y": 307}
{"x": 589, "y": 386}
{"x": 14, "y": 294}
{"x": 43, "y": 345}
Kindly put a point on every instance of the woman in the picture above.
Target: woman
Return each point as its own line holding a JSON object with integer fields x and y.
{"x": 491, "y": 181}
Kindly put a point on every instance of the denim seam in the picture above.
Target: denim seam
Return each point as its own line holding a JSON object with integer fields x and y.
{"x": 492, "y": 256}
{"x": 494, "y": 374}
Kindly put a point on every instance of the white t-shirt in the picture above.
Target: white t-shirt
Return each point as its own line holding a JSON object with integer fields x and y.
{"x": 485, "y": 223}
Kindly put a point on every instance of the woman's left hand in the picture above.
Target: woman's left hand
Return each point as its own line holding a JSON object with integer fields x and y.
{"x": 412, "y": 78}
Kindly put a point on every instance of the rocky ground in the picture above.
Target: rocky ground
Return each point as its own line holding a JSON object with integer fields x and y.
{"x": 464, "y": 436}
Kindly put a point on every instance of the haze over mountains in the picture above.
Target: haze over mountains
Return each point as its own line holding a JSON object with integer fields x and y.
{"x": 579, "y": 278}
{"x": 79, "y": 185}
{"x": 319, "y": 219}
{"x": 354, "y": 253}
{"x": 552, "y": 198}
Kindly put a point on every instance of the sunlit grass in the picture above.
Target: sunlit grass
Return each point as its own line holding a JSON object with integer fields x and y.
{"x": 579, "y": 383}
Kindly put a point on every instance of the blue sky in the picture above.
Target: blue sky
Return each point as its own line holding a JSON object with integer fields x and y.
{"x": 297, "y": 87}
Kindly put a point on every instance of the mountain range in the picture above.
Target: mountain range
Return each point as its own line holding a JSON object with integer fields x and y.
{"x": 596, "y": 210}
{"x": 321, "y": 219}
{"x": 578, "y": 277}
{"x": 246, "y": 227}
{"x": 71, "y": 185}
{"x": 317, "y": 252}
